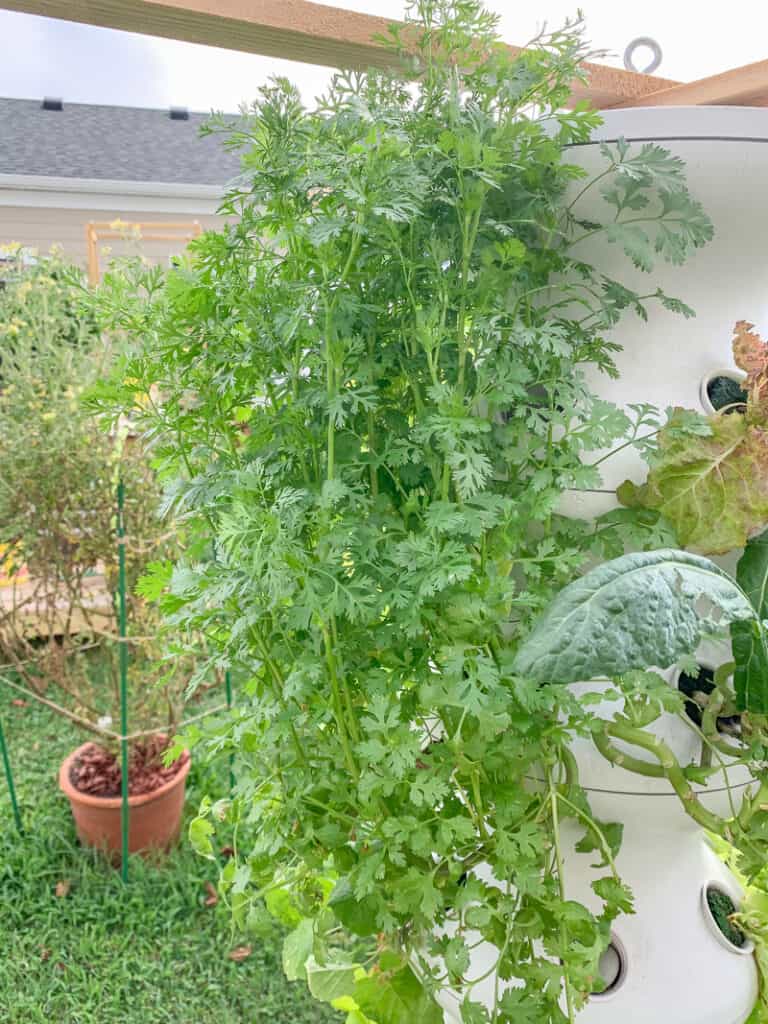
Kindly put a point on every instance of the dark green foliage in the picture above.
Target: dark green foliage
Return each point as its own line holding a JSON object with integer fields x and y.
{"x": 369, "y": 398}
{"x": 726, "y": 393}
{"x": 722, "y": 907}
{"x": 750, "y": 646}
{"x": 606, "y": 622}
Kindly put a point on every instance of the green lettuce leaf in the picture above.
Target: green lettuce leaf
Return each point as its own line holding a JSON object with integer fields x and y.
{"x": 394, "y": 998}
{"x": 712, "y": 489}
{"x": 330, "y": 981}
{"x": 750, "y": 654}
{"x": 640, "y": 610}
{"x": 298, "y": 947}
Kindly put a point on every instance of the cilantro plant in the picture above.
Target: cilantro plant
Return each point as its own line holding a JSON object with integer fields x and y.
{"x": 367, "y": 397}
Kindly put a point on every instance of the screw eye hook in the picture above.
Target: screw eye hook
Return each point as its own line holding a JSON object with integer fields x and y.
{"x": 643, "y": 42}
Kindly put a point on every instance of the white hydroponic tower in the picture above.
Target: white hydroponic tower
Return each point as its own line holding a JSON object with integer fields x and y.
{"x": 676, "y": 964}
{"x": 668, "y": 962}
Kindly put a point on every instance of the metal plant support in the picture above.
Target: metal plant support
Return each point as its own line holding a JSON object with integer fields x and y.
{"x": 9, "y": 780}
{"x": 228, "y": 691}
{"x": 123, "y": 648}
{"x": 123, "y": 736}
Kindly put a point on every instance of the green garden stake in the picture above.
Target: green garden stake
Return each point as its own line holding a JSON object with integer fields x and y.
{"x": 228, "y": 690}
{"x": 9, "y": 780}
{"x": 123, "y": 645}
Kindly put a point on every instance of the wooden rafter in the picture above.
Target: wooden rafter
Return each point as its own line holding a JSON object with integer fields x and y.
{"x": 745, "y": 86}
{"x": 293, "y": 29}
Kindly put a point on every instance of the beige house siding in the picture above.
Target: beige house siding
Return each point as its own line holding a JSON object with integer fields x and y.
{"x": 40, "y": 227}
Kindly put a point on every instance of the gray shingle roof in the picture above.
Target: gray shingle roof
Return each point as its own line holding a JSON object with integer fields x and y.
{"x": 85, "y": 140}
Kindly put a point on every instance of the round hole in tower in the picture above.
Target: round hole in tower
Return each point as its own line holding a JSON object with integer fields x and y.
{"x": 537, "y": 399}
{"x": 718, "y": 904}
{"x": 698, "y": 690}
{"x": 612, "y": 968}
{"x": 722, "y": 391}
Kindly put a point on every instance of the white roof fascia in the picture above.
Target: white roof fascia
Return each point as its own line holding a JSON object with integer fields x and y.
{"x": 101, "y": 194}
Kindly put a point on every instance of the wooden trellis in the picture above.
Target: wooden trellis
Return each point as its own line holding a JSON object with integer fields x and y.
{"x": 141, "y": 231}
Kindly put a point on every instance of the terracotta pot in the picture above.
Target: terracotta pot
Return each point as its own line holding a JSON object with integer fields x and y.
{"x": 154, "y": 819}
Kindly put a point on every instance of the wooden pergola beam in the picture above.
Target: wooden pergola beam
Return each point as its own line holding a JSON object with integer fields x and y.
{"x": 293, "y": 29}
{"x": 744, "y": 86}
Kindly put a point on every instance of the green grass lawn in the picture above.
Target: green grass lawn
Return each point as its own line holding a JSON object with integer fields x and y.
{"x": 107, "y": 953}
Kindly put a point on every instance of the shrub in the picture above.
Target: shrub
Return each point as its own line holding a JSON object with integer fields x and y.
{"x": 58, "y": 476}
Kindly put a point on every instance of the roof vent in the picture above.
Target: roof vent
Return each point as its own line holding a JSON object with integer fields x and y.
{"x": 52, "y": 103}
{"x": 179, "y": 114}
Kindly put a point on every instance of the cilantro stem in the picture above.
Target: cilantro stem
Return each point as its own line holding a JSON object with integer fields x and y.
{"x": 502, "y": 954}
{"x": 475, "y": 777}
{"x": 750, "y": 806}
{"x": 591, "y": 823}
{"x": 372, "y": 449}
{"x": 630, "y": 220}
{"x": 673, "y": 771}
{"x": 347, "y": 693}
{"x": 337, "y": 706}
{"x": 334, "y": 812}
{"x": 710, "y": 746}
{"x": 626, "y": 444}
{"x": 331, "y": 369}
{"x": 446, "y": 482}
{"x": 709, "y": 731}
{"x": 278, "y": 683}
{"x": 593, "y": 181}
{"x": 469, "y": 237}
{"x": 331, "y": 388}
{"x": 553, "y": 798}
{"x": 626, "y": 761}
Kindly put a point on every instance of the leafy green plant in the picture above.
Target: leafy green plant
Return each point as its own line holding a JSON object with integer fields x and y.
{"x": 709, "y": 480}
{"x": 748, "y": 638}
{"x": 58, "y": 541}
{"x": 606, "y": 623}
{"x": 723, "y": 910}
{"x": 752, "y": 917}
{"x": 644, "y": 609}
{"x": 367, "y": 397}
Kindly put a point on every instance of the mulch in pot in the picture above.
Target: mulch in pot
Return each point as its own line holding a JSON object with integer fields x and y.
{"x": 96, "y": 771}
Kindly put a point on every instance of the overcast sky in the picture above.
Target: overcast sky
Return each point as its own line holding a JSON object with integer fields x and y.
{"x": 41, "y": 56}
